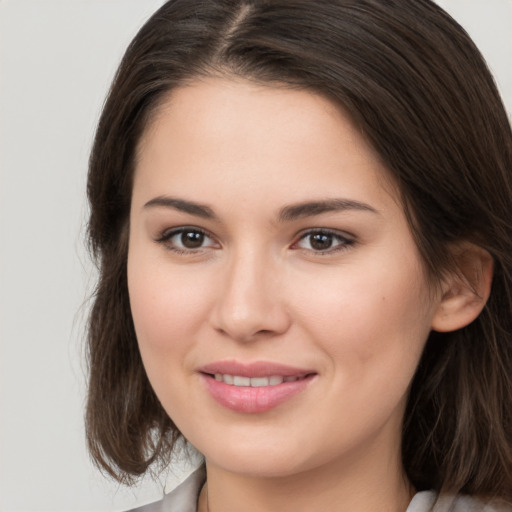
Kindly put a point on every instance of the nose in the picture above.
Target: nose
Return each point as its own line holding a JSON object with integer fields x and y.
{"x": 250, "y": 303}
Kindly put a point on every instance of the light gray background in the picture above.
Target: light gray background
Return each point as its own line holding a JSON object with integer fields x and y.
{"x": 57, "y": 59}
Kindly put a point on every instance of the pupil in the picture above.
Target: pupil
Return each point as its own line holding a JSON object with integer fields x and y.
{"x": 192, "y": 239}
{"x": 321, "y": 242}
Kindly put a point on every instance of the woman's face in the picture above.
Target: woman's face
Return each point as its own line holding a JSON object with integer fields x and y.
{"x": 279, "y": 300}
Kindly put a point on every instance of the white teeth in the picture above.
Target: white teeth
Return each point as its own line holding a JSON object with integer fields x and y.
{"x": 241, "y": 381}
{"x": 255, "y": 382}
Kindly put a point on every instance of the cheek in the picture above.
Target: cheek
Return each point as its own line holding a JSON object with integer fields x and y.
{"x": 167, "y": 306}
{"x": 168, "y": 309}
{"x": 369, "y": 320}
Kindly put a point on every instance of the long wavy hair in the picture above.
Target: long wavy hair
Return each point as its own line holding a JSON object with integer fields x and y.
{"x": 420, "y": 92}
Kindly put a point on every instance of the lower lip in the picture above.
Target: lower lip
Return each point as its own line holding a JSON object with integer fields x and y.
{"x": 248, "y": 399}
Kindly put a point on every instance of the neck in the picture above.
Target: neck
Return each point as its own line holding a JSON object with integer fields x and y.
{"x": 359, "y": 486}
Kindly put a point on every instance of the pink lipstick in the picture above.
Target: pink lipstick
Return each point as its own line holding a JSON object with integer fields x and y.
{"x": 256, "y": 387}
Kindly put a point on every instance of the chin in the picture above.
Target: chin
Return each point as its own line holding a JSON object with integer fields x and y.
{"x": 259, "y": 467}
{"x": 262, "y": 460}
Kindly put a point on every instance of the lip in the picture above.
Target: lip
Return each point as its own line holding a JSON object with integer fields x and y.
{"x": 253, "y": 400}
{"x": 255, "y": 369}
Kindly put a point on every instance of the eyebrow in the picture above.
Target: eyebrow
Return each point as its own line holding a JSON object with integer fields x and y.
{"x": 309, "y": 209}
{"x": 286, "y": 214}
{"x": 200, "y": 210}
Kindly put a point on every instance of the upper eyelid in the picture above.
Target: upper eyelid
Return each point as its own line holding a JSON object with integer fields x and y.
{"x": 330, "y": 231}
{"x": 170, "y": 232}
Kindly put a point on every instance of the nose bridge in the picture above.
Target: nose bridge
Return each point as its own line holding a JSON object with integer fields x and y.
{"x": 250, "y": 302}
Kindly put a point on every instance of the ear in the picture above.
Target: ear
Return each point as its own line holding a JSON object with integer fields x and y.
{"x": 465, "y": 290}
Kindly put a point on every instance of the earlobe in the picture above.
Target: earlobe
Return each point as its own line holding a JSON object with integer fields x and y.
{"x": 465, "y": 290}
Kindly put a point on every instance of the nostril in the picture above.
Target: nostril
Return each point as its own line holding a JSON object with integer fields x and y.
{"x": 264, "y": 332}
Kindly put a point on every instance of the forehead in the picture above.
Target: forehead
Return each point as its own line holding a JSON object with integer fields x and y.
{"x": 219, "y": 134}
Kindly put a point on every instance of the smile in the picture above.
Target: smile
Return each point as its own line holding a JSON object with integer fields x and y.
{"x": 255, "y": 387}
{"x": 255, "y": 382}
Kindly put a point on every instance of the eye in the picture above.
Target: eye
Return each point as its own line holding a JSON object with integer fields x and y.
{"x": 323, "y": 241}
{"x": 186, "y": 239}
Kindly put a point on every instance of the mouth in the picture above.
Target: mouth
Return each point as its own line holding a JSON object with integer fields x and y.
{"x": 255, "y": 387}
{"x": 254, "y": 382}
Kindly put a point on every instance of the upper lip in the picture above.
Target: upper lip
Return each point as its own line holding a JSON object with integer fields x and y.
{"x": 254, "y": 369}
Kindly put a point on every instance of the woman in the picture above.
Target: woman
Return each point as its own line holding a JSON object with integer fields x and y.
{"x": 301, "y": 217}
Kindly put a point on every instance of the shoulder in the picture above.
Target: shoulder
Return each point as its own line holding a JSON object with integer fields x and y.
{"x": 182, "y": 499}
{"x": 429, "y": 501}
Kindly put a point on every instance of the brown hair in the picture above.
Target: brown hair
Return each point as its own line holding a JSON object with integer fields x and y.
{"x": 415, "y": 84}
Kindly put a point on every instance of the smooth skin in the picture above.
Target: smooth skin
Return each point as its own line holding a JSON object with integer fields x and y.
{"x": 227, "y": 263}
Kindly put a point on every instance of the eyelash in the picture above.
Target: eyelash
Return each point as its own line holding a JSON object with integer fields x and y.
{"x": 168, "y": 235}
{"x": 344, "y": 241}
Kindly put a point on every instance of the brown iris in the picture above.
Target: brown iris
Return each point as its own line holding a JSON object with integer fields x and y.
{"x": 192, "y": 239}
{"x": 320, "y": 241}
